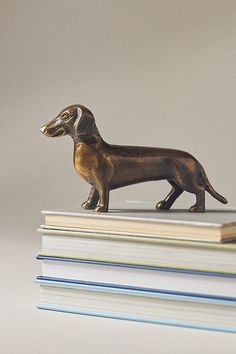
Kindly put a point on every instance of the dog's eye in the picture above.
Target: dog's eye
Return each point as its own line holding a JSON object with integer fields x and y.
{"x": 66, "y": 117}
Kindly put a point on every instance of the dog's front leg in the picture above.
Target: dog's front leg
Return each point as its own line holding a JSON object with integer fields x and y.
{"x": 92, "y": 200}
{"x": 103, "y": 200}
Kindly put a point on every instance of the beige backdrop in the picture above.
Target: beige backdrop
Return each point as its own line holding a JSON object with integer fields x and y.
{"x": 155, "y": 73}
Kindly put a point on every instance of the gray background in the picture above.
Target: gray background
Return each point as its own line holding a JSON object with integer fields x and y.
{"x": 155, "y": 73}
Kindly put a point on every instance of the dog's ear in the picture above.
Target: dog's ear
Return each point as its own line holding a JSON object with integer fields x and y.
{"x": 85, "y": 122}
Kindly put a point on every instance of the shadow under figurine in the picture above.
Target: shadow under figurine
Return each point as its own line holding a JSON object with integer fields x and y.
{"x": 108, "y": 167}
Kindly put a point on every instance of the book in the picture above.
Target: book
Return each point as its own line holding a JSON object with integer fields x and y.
{"x": 193, "y": 311}
{"x": 160, "y": 279}
{"x": 138, "y": 250}
{"x": 134, "y": 263}
{"x": 143, "y": 220}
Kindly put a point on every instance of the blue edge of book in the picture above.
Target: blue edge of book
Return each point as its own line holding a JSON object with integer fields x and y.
{"x": 132, "y": 290}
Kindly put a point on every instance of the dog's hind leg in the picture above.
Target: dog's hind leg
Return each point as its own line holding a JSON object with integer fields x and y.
{"x": 175, "y": 192}
{"x": 199, "y": 207}
{"x": 92, "y": 200}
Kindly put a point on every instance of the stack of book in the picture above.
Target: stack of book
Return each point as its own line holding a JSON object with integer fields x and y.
{"x": 134, "y": 263}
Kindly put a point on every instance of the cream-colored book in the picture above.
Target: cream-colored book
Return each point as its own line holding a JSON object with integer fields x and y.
{"x": 138, "y": 251}
{"x": 141, "y": 219}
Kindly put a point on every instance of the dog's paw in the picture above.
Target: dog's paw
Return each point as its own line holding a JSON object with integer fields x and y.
{"x": 87, "y": 205}
{"x": 196, "y": 209}
{"x": 101, "y": 208}
{"x": 162, "y": 205}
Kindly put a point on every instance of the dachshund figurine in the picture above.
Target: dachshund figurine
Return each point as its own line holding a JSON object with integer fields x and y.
{"x": 106, "y": 167}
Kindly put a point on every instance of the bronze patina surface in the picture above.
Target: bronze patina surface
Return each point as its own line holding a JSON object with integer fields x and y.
{"x": 106, "y": 167}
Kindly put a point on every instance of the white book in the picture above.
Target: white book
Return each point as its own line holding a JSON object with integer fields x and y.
{"x": 136, "y": 305}
{"x": 218, "y": 225}
{"x": 112, "y": 274}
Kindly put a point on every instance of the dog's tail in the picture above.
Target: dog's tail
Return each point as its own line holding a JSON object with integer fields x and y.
{"x": 211, "y": 190}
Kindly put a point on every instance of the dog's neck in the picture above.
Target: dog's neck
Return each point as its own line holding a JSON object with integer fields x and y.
{"x": 88, "y": 138}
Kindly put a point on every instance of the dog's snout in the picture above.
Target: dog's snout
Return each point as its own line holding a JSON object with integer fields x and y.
{"x": 43, "y": 129}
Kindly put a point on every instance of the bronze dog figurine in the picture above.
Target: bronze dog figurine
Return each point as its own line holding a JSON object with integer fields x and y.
{"x": 108, "y": 167}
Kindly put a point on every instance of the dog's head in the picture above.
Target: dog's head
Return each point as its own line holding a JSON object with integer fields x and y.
{"x": 75, "y": 120}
